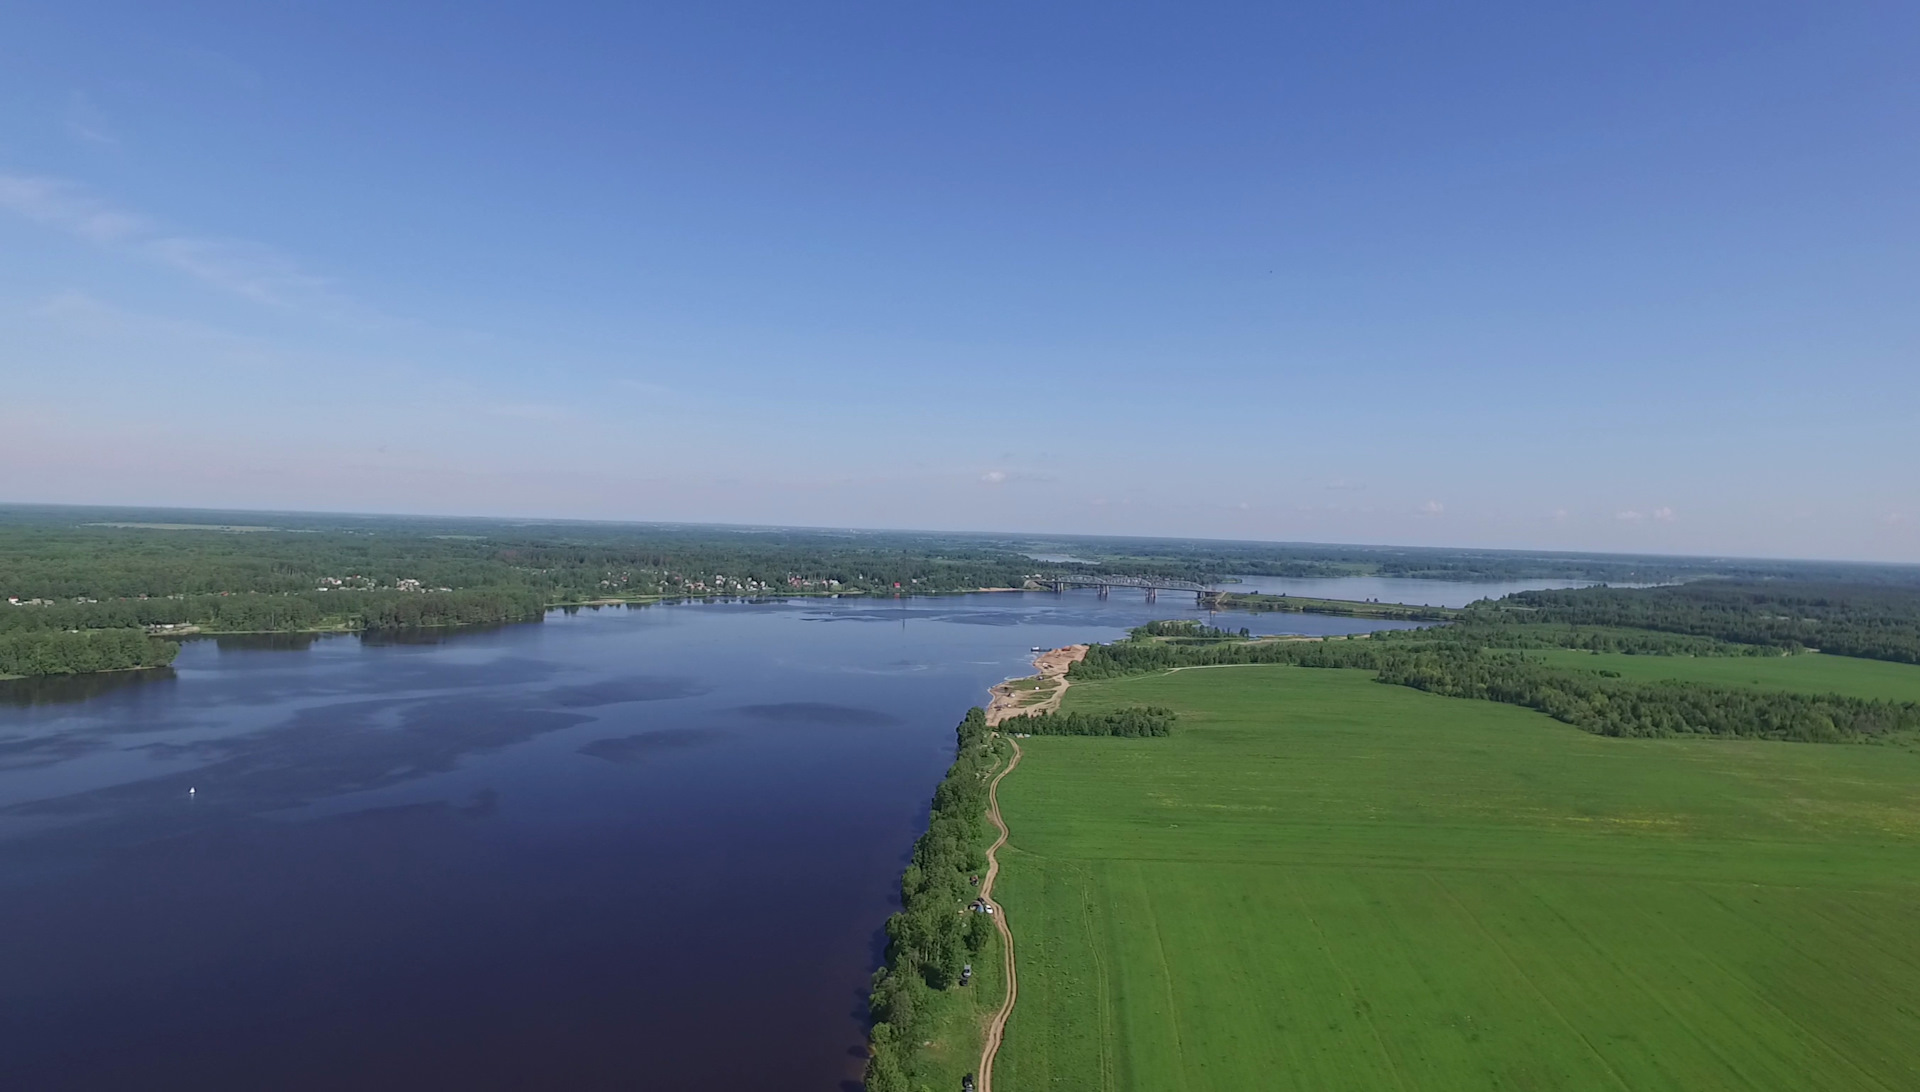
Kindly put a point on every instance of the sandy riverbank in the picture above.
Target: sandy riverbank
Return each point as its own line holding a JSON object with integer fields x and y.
{"x": 1038, "y": 693}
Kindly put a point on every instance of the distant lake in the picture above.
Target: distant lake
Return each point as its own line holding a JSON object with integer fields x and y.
{"x": 645, "y": 848}
{"x": 1419, "y": 593}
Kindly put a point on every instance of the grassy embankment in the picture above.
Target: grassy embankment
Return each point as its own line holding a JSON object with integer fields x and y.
{"x": 1319, "y": 881}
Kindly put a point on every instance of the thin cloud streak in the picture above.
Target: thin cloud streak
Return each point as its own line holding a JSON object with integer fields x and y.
{"x": 66, "y": 206}
{"x": 250, "y": 270}
{"x": 87, "y": 123}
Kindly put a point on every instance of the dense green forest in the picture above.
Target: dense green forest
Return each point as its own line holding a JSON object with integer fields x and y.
{"x": 62, "y": 556}
{"x": 1589, "y": 700}
{"x": 259, "y": 612}
{"x": 931, "y": 938}
{"x": 53, "y": 652}
{"x": 1475, "y": 632}
{"x": 1873, "y": 622}
{"x": 1617, "y": 707}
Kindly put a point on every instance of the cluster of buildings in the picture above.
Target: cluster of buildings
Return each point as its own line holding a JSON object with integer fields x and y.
{"x": 361, "y": 583}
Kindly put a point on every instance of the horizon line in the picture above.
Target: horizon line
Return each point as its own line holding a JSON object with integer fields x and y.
{"x": 533, "y": 521}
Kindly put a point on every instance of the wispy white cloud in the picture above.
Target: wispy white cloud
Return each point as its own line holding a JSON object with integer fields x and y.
{"x": 1662, "y": 514}
{"x": 245, "y": 269}
{"x": 1432, "y": 508}
{"x": 65, "y": 206}
{"x": 1010, "y": 476}
{"x": 242, "y": 268}
{"x": 86, "y": 122}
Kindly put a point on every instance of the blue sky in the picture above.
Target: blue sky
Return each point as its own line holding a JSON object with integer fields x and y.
{"x": 1563, "y": 276}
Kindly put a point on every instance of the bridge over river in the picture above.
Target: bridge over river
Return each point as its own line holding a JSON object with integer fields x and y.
{"x": 1152, "y": 585}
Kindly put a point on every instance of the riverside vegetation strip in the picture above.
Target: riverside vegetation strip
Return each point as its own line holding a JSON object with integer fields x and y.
{"x": 928, "y": 1028}
{"x": 1323, "y": 882}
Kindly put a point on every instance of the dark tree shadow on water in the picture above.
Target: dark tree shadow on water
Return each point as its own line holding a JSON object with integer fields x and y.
{"x": 60, "y": 689}
{"x": 266, "y": 642}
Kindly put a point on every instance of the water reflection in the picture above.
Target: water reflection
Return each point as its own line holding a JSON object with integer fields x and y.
{"x": 61, "y": 689}
{"x": 265, "y": 642}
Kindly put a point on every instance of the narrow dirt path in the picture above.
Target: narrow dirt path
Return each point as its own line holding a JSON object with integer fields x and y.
{"x": 1052, "y": 667}
{"x": 997, "y": 1026}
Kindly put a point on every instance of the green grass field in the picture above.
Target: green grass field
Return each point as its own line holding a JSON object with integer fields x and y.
{"x": 1811, "y": 673}
{"x": 1323, "y": 882}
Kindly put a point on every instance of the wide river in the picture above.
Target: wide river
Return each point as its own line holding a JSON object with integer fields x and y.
{"x": 623, "y": 848}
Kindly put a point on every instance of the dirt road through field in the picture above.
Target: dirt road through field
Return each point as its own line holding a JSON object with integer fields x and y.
{"x": 998, "y": 1025}
{"x": 1007, "y": 702}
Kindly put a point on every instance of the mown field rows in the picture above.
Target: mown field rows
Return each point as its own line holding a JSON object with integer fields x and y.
{"x": 1324, "y": 882}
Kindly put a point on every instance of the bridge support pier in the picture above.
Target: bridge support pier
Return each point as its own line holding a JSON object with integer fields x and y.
{"x": 1153, "y": 595}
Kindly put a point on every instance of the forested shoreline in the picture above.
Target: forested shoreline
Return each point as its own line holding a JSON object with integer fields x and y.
{"x": 64, "y": 574}
{"x": 284, "y": 612}
{"x": 931, "y": 939}
{"x": 62, "y": 653}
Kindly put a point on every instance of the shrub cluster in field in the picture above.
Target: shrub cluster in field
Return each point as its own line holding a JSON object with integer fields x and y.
{"x": 1133, "y": 723}
{"x": 931, "y": 938}
{"x": 59, "y": 653}
{"x": 1584, "y": 699}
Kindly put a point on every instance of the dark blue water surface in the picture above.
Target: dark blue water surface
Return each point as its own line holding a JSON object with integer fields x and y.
{"x": 626, "y": 848}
